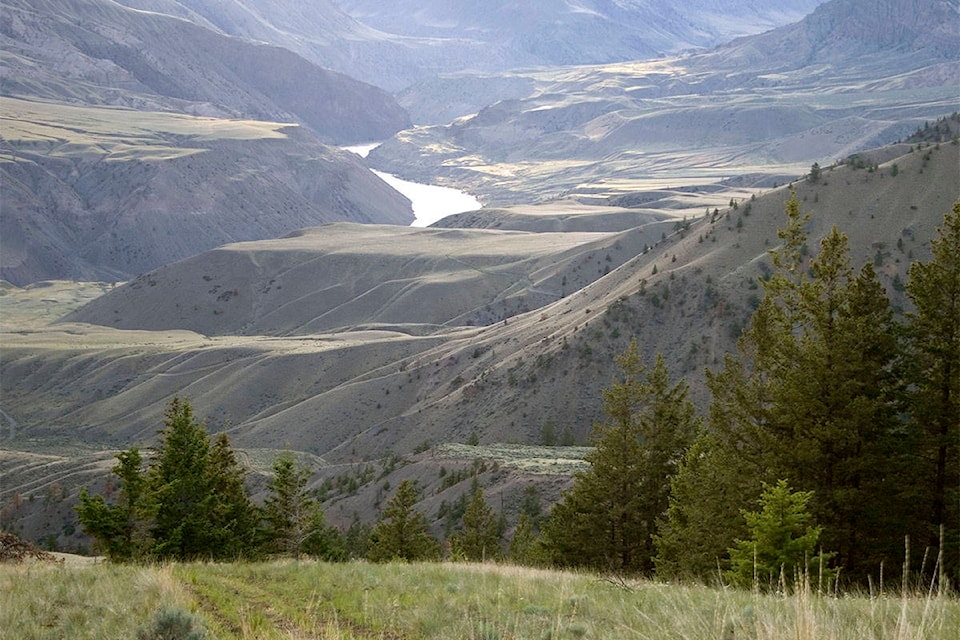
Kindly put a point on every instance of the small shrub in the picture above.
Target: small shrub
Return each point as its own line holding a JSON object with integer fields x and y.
{"x": 173, "y": 624}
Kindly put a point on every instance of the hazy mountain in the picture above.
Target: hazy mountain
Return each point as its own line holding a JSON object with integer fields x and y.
{"x": 855, "y": 74}
{"x": 915, "y": 32}
{"x": 396, "y": 44}
{"x": 136, "y": 139}
{"x": 560, "y": 32}
{"x": 99, "y": 52}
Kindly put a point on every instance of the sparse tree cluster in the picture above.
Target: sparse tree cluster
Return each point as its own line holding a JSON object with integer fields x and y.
{"x": 833, "y": 434}
{"x": 190, "y": 502}
{"x": 827, "y": 393}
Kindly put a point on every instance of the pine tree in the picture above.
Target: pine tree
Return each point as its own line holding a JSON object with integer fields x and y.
{"x": 189, "y": 503}
{"x": 703, "y": 517}
{"x": 812, "y": 399}
{"x": 524, "y": 548}
{"x": 934, "y": 374}
{"x": 119, "y": 529}
{"x": 608, "y": 518}
{"x": 293, "y": 517}
{"x": 834, "y": 408}
{"x": 180, "y": 487}
{"x": 479, "y": 539}
{"x": 401, "y": 533}
{"x": 782, "y": 543}
{"x": 233, "y": 516}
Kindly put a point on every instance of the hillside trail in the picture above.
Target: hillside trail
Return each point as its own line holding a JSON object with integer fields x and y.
{"x": 248, "y": 611}
{"x": 12, "y": 424}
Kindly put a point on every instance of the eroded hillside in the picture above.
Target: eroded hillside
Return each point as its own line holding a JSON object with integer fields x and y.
{"x": 104, "y": 194}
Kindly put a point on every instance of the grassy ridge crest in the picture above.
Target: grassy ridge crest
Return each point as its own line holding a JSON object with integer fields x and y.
{"x": 286, "y": 599}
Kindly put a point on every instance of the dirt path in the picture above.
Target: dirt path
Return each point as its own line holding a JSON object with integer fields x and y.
{"x": 248, "y": 611}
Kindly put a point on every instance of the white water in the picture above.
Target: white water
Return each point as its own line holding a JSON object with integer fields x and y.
{"x": 430, "y": 202}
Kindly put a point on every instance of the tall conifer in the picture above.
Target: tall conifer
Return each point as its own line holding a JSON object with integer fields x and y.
{"x": 607, "y": 520}
{"x": 934, "y": 359}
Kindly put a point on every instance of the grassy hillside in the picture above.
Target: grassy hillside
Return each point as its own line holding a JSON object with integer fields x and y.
{"x": 438, "y": 601}
{"x": 93, "y": 192}
{"x": 72, "y": 131}
{"x": 361, "y": 392}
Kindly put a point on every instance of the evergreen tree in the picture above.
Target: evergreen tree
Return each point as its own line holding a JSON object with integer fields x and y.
{"x": 356, "y": 541}
{"x": 782, "y": 544}
{"x": 934, "y": 375}
{"x": 401, "y": 533}
{"x": 703, "y": 517}
{"x": 118, "y": 529}
{"x": 189, "y": 503}
{"x": 812, "y": 399}
{"x": 524, "y": 548}
{"x": 293, "y": 517}
{"x": 180, "y": 488}
{"x": 607, "y": 519}
{"x": 834, "y": 407}
{"x": 479, "y": 539}
{"x": 233, "y": 516}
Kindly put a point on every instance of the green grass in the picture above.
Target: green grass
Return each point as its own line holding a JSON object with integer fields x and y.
{"x": 433, "y": 601}
{"x": 99, "y": 602}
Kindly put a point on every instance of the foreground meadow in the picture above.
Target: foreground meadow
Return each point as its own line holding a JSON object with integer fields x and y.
{"x": 489, "y": 602}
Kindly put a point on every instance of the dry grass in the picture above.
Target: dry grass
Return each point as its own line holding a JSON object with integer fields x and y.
{"x": 98, "y": 602}
{"x": 528, "y": 458}
{"x": 117, "y": 134}
{"x": 434, "y": 601}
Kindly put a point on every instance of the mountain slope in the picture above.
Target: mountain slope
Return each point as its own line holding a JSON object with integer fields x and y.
{"x": 393, "y": 385}
{"x": 105, "y": 194}
{"x": 132, "y": 139}
{"x": 363, "y": 399}
{"x": 774, "y": 103}
{"x": 100, "y": 52}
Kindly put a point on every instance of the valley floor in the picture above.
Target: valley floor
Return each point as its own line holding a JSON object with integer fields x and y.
{"x": 308, "y": 599}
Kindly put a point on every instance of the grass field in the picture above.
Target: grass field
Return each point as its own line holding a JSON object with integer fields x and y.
{"x": 485, "y": 602}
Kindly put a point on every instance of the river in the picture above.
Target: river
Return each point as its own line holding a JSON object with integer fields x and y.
{"x": 430, "y": 202}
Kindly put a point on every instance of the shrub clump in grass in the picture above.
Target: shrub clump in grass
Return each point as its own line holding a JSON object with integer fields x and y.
{"x": 174, "y": 624}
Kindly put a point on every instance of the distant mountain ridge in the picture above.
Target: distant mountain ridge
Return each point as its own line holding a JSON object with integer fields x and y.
{"x": 849, "y": 29}
{"x": 91, "y": 193}
{"x": 398, "y": 43}
{"x": 854, "y": 74}
{"x": 132, "y": 139}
